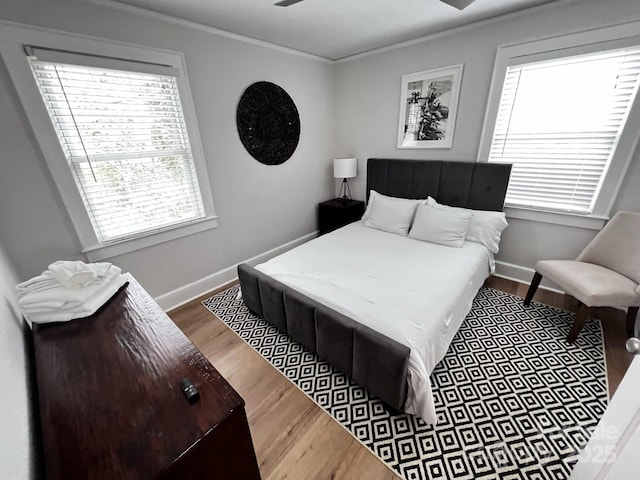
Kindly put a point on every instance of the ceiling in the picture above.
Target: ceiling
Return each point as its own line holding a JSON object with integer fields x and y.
{"x": 333, "y": 29}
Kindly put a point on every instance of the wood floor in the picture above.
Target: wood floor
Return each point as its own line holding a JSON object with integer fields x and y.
{"x": 293, "y": 437}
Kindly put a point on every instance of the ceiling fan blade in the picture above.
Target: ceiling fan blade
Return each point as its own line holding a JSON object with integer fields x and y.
{"x": 459, "y": 4}
{"x": 286, "y": 3}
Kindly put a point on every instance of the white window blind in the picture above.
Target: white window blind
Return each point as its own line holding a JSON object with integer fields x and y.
{"x": 558, "y": 122}
{"x": 125, "y": 140}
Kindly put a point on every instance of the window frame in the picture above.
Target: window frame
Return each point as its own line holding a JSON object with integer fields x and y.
{"x": 607, "y": 38}
{"x": 13, "y": 38}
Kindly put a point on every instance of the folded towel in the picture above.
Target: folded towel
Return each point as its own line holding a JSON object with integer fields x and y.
{"x": 89, "y": 307}
{"x": 78, "y": 274}
{"x": 45, "y": 307}
{"x": 41, "y": 282}
{"x": 50, "y": 278}
{"x": 72, "y": 298}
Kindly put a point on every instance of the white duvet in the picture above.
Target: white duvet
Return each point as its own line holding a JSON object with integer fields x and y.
{"x": 415, "y": 292}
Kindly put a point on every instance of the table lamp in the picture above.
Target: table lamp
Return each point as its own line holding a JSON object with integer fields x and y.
{"x": 345, "y": 168}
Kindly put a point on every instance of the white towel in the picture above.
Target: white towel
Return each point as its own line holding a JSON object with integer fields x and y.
{"x": 98, "y": 298}
{"x": 46, "y": 306}
{"x": 49, "y": 279}
{"x": 78, "y": 274}
{"x": 41, "y": 282}
{"x": 72, "y": 298}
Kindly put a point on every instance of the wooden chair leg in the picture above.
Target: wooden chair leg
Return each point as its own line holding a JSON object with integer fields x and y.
{"x": 535, "y": 281}
{"x": 632, "y": 313}
{"x": 581, "y": 317}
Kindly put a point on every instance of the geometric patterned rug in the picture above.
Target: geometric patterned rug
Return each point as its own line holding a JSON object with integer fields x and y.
{"x": 514, "y": 400}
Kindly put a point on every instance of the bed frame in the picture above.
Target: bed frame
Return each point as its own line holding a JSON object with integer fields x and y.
{"x": 373, "y": 360}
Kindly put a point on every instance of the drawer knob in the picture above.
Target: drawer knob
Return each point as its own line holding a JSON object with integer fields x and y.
{"x": 189, "y": 390}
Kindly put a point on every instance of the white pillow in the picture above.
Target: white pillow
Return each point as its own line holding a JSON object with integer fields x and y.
{"x": 485, "y": 227}
{"x": 393, "y": 215}
{"x": 436, "y": 225}
{"x": 373, "y": 195}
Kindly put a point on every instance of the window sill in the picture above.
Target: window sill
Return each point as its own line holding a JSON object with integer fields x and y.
{"x": 104, "y": 251}
{"x": 591, "y": 222}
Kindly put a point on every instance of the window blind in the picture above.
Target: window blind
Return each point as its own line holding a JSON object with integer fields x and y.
{"x": 124, "y": 137}
{"x": 558, "y": 122}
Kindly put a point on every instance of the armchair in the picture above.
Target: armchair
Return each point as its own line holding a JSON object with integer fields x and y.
{"x": 605, "y": 274}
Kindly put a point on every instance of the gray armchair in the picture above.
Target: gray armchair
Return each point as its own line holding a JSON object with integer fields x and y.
{"x": 605, "y": 274}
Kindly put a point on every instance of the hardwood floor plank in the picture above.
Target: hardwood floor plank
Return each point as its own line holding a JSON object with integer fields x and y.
{"x": 293, "y": 437}
{"x": 320, "y": 445}
{"x": 281, "y": 431}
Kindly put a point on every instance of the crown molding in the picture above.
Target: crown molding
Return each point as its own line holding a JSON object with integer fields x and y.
{"x": 550, "y": 4}
{"x": 116, "y": 5}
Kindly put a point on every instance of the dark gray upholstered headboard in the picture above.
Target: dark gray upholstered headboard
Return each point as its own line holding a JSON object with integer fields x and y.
{"x": 480, "y": 186}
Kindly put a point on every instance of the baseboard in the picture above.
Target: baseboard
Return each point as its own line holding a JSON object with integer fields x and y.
{"x": 518, "y": 273}
{"x": 186, "y": 293}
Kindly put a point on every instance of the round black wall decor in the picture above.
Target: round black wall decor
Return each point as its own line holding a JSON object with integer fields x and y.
{"x": 268, "y": 123}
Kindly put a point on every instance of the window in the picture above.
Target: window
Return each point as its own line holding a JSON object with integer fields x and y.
{"x": 561, "y": 145}
{"x": 560, "y": 119}
{"x": 123, "y": 141}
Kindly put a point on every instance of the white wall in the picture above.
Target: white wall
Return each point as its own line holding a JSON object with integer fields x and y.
{"x": 16, "y": 454}
{"x": 368, "y": 98}
{"x": 259, "y": 207}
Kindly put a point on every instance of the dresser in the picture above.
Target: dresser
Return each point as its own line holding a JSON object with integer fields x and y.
{"x": 111, "y": 404}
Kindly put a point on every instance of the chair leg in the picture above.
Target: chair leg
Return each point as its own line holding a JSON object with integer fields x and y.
{"x": 632, "y": 313}
{"x": 535, "y": 281}
{"x": 581, "y": 317}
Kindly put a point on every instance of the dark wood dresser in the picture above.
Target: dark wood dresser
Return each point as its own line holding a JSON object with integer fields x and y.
{"x": 111, "y": 406}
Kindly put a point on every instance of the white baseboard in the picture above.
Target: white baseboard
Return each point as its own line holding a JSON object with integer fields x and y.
{"x": 186, "y": 293}
{"x": 518, "y": 273}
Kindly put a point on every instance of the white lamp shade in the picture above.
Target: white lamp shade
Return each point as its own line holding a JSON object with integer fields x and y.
{"x": 345, "y": 167}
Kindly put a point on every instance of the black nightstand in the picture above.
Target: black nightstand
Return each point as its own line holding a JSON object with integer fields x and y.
{"x": 336, "y": 213}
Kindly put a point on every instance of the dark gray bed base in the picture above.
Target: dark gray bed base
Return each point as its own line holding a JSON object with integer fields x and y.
{"x": 375, "y": 361}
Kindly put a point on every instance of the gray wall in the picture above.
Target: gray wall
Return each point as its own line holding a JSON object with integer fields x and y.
{"x": 259, "y": 207}
{"x": 368, "y": 96}
{"x": 16, "y": 453}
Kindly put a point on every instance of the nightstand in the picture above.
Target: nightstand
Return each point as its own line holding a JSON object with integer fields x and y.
{"x": 337, "y": 213}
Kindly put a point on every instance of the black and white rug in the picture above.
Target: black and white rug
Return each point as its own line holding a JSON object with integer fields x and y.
{"x": 514, "y": 399}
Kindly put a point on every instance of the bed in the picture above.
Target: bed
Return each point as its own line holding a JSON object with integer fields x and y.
{"x": 380, "y": 307}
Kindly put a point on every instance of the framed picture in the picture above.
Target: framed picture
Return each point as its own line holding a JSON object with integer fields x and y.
{"x": 428, "y": 104}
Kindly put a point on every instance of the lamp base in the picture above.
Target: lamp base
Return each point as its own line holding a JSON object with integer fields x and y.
{"x": 345, "y": 192}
